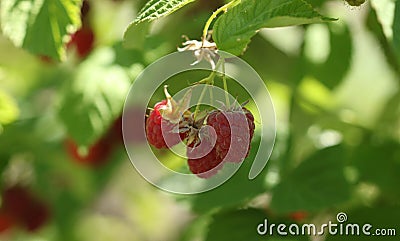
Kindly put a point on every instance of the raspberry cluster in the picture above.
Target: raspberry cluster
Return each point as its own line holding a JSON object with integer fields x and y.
{"x": 169, "y": 123}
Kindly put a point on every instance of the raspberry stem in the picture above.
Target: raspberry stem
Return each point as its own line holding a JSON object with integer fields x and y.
{"x": 209, "y": 80}
{"x": 224, "y": 8}
{"x": 225, "y": 84}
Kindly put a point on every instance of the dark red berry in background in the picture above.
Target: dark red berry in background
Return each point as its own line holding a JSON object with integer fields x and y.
{"x": 96, "y": 155}
{"x": 35, "y": 217}
{"x": 234, "y": 130}
{"x": 160, "y": 131}
{"x": 6, "y": 221}
{"x": 114, "y": 134}
{"x": 298, "y": 216}
{"x": 20, "y": 207}
{"x": 83, "y": 41}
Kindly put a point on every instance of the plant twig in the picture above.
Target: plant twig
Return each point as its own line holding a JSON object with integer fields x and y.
{"x": 214, "y": 15}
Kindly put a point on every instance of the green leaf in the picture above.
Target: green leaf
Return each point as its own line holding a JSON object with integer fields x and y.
{"x": 242, "y": 225}
{"x": 127, "y": 57}
{"x": 40, "y": 26}
{"x": 388, "y": 15}
{"x": 316, "y": 3}
{"x": 317, "y": 183}
{"x": 9, "y": 110}
{"x": 155, "y": 9}
{"x": 237, "y": 225}
{"x": 333, "y": 70}
{"x": 396, "y": 30}
{"x": 234, "y": 29}
{"x": 386, "y": 45}
{"x": 135, "y": 35}
{"x": 235, "y": 191}
{"x": 278, "y": 61}
{"x": 196, "y": 230}
{"x": 94, "y": 98}
{"x": 379, "y": 164}
{"x": 136, "y": 31}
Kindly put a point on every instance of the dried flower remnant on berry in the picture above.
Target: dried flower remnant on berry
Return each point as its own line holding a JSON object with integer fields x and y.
{"x": 202, "y": 50}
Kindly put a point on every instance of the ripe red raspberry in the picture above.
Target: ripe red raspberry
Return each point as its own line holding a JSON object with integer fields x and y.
{"x": 234, "y": 129}
{"x": 161, "y": 133}
{"x": 206, "y": 166}
{"x": 24, "y": 208}
{"x": 202, "y": 156}
{"x": 96, "y": 155}
{"x": 83, "y": 40}
{"x": 166, "y": 125}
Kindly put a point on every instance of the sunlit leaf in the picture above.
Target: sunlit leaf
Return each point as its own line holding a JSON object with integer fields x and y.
{"x": 388, "y": 15}
{"x": 40, "y": 26}
{"x": 234, "y": 29}
{"x": 385, "y": 14}
{"x": 9, "y": 110}
{"x": 154, "y": 9}
{"x": 94, "y": 98}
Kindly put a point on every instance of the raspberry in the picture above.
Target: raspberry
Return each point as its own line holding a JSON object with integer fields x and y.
{"x": 206, "y": 166}
{"x": 161, "y": 131}
{"x": 202, "y": 155}
{"x": 83, "y": 41}
{"x": 234, "y": 128}
{"x": 25, "y": 209}
{"x": 203, "y": 159}
{"x": 166, "y": 124}
{"x": 250, "y": 122}
{"x": 6, "y": 221}
{"x": 96, "y": 155}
